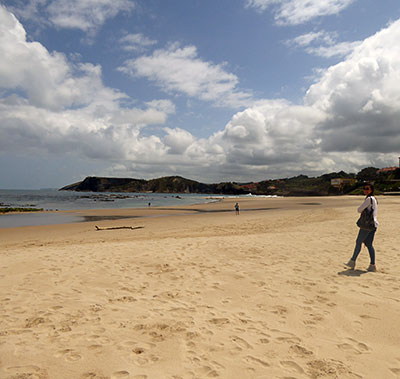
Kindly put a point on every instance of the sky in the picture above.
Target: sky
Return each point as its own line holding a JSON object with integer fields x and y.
{"x": 226, "y": 90}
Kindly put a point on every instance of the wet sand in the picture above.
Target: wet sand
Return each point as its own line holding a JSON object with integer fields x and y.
{"x": 198, "y": 292}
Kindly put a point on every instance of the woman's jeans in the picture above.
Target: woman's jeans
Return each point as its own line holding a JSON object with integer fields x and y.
{"x": 366, "y": 236}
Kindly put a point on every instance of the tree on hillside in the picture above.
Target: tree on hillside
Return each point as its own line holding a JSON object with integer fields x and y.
{"x": 368, "y": 174}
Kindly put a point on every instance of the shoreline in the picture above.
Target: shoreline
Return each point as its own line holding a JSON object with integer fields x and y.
{"x": 195, "y": 207}
{"x": 164, "y": 218}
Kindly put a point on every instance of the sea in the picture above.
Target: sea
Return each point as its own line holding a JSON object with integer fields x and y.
{"x": 53, "y": 200}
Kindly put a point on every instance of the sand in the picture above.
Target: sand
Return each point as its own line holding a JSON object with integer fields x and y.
{"x": 203, "y": 294}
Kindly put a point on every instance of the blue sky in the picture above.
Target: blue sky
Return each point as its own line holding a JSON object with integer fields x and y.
{"x": 238, "y": 90}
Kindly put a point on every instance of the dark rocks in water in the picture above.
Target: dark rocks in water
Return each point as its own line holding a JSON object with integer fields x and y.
{"x": 111, "y": 197}
{"x": 20, "y": 209}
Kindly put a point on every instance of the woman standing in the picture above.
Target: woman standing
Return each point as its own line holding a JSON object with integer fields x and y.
{"x": 366, "y": 236}
{"x": 237, "y": 208}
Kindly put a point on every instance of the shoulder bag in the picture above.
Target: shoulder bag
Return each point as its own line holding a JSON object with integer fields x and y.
{"x": 366, "y": 220}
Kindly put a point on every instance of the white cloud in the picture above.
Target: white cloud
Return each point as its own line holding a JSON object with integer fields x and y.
{"x": 166, "y": 106}
{"x": 361, "y": 95}
{"x": 262, "y": 5}
{"x": 47, "y": 79}
{"x": 178, "y": 140}
{"x": 323, "y": 44}
{"x": 349, "y": 120}
{"x": 340, "y": 49}
{"x": 294, "y": 12}
{"x": 136, "y": 42}
{"x": 271, "y": 133}
{"x": 179, "y": 69}
{"x": 349, "y": 117}
{"x": 28, "y": 9}
{"x": 307, "y": 39}
{"x": 85, "y": 15}
{"x": 51, "y": 104}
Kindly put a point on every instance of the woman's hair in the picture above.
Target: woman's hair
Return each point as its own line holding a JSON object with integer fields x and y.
{"x": 370, "y": 185}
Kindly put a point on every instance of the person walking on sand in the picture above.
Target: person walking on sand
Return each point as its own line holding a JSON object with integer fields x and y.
{"x": 237, "y": 208}
{"x": 366, "y": 236}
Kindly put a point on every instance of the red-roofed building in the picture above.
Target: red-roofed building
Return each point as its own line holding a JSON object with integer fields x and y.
{"x": 249, "y": 187}
{"x": 387, "y": 169}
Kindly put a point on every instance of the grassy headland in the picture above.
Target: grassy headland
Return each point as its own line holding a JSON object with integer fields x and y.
{"x": 301, "y": 185}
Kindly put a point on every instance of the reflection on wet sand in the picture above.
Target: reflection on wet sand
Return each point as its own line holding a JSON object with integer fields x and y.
{"x": 47, "y": 218}
{"x": 103, "y": 218}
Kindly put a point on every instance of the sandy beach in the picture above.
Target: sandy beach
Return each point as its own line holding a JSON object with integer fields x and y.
{"x": 198, "y": 292}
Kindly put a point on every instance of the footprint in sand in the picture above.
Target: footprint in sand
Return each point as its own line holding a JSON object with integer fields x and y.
{"x": 69, "y": 355}
{"x": 207, "y": 371}
{"x": 93, "y": 375}
{"x": 120, "y": 375}
{"x": 366, "y": 317}
{"x": 250, "y": 359}
{"x": 300, "y": 351}
{"x": 34, "y": 321}
{"x": 354, "y": 346}
{"x": 102, "y": 340}
{"x": 395, "y": 371}
{"x": 94, "y": 347}
{"x": 98, "y": 330}
{"x": 73, "y": 357}
{"x": 96, "y": 308}
{"x": 288, "y": 340}
{"x": 219, "y": 365}
{"x": 56, "y": 308}
{"x": 357, "y": 324}
{"x": 292, "y": 366}
{"x": 280, "y": 311}
{"x": 123, "y": 299}
{"x": 243, "y": 344}
{"x": 19, "y": 310}
{"x": 32, "y": 371}
{"x": 219, "y": 321}
{"x": 131, "y": 345}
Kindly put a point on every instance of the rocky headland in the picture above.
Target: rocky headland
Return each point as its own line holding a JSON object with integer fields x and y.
{"x": 301, "y": 185}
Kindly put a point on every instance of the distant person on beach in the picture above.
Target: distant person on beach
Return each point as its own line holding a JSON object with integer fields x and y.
{"x": 149, "y": 205}
{"x": 237, "y": 208}
{"x": 366, "y": 236}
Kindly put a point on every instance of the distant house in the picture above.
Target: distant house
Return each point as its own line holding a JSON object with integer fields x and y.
{"x": 341, "y": 182}
{"x": 251, "y": 187}
{"x": 387, "y": 169}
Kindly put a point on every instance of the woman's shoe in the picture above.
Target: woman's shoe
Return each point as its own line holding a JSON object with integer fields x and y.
{"x": 351, "y": 264}
{"x": 371, "y": 268}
